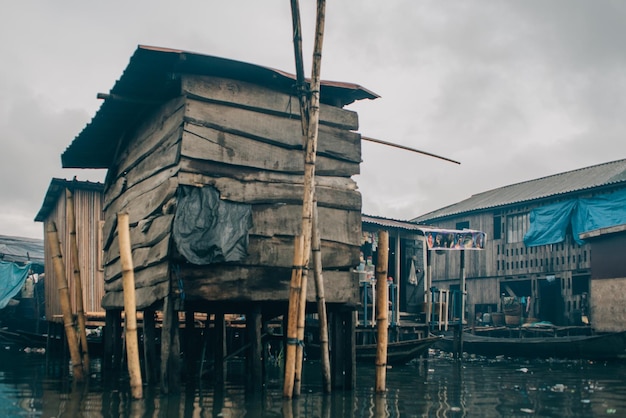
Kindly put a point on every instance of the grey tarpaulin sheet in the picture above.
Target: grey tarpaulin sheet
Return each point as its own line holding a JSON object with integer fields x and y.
{"x": 210, "y": 230}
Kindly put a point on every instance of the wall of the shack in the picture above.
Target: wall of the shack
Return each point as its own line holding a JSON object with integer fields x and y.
{"x": 244, "y": 140}
{"x": 88, "y": 213}
{"x": 143, "y": 183}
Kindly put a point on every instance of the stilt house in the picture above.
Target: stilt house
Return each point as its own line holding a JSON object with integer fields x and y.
{"x": 205, "y": 154}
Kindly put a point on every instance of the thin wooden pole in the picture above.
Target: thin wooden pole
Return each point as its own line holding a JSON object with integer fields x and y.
{"x": 321, "y": 302}
{"x": 382, "y": 299}
{"x": 130, "y": 306}
{"x": 309, "y": 186}
{"x": 78, "y": 283}
{"x": 292, "y": 319}
{"x": 64, "y": 300}
{"x": 391, "y": 144}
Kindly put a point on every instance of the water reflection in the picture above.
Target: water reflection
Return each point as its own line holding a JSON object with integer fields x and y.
{"x": 439, "y": 387}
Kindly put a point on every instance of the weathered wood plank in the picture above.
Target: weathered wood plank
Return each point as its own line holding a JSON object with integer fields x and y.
{"x": 143, "y": 200}
{"x": 285, "y": 132}
{"x": 257, "y": 192}
{"x": 253, "y": 96}
{"x": 144, "y": 233}
{"x": 278, "y": 252}
{"x": 143, "y": 257}
{"x": 145, "y": 277}
{"x": 150, "y": 135}
{"x": 145, "y": 296}
{"x": 246, "y": 174}
{"x": 236, "y": 283}
{"x": 159, "y": 166}
{"x": 205, "y": 143}
{"x": 342, "y": 226}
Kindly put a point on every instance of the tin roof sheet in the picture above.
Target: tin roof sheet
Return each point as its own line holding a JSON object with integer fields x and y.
{"x": 576, "y": 181}
{"x": 151, "y": 78}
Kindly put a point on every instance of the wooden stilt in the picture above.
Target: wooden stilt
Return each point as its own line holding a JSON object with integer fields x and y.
{"x": 112, "y": 339}
{"x": 170, "y": 348}
{"x": 350, "y": 349}
{"x": 337, "y": 346}
{"x": 255, "y": 351}
{"x": 64, "y": 299}
{"x": 130, "y": 306}
{"x": 78, "y": 282}
{"x": 220, "y": 348}
{"x": 382, "y": 303}
{"x": 149, "y": 348}
{"x": 189, "y": 343}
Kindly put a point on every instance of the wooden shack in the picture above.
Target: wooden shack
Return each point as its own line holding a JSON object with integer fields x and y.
{"x": 88, "y": 199}
{"x": 205, "y": 154}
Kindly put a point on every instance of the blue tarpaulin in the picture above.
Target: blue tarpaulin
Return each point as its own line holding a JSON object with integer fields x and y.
{"x": 548, "y": 224}
{"x": 12, "y": 278}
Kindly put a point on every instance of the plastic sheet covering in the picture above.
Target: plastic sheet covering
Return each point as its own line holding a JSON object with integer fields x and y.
{"x": 12, "y": 278}
{"x": 548, "y": 224}
{"x": 209, "y": 230}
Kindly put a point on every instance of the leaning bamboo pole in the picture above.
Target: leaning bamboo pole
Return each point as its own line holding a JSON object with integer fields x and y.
{"x": 64, "y": 300}
{"x": 307, "y": 201}
{"x": 292, "y": 318}
{"x": 382, "y": 303}
{"x": 321, "y": 301}
{"x": 130, "y": 306}
{"x": 78, "y": 283}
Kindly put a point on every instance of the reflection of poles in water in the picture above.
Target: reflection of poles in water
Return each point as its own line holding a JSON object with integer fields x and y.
{"x": 218, "y": 399}
{"x": 380, "y": 405}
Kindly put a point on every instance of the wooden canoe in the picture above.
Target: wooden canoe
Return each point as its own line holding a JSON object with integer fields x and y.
{"x": 592, "y": 347}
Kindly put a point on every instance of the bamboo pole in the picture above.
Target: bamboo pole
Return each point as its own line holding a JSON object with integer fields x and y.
{"x": 78, "y": 283}
{"x": 321, "y": 302}
{"x": 130, "y": 306}
{"x": 292, "y": 319}
{"x": 307, "y": 201}
{"x": 64, "y": 300}
{"x": 382, "y": 299}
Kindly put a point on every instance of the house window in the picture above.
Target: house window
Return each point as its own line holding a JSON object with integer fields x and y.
{"x": 462, "y": 225}
{"x": 497, "y": 227}
{"x": 516, "y": 227}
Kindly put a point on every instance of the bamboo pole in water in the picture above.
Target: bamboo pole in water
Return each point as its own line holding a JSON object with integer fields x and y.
{"x": 130, "y": 306}
{"x": 290, "y": 389}
{"x": 292, "y": 319}
{"x": 382, "y": 302}
{"x": 78, "y": 283}
{"x": 64, "y": 300}
{"x": 321, "y": 302}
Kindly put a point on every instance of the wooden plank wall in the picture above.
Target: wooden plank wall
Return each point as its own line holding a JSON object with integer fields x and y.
{"x": 245, "y": 141}
{"x": 88, "y": 213}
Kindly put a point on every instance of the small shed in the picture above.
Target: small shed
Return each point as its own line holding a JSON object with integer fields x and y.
{"x": 87, "y": 197}
{"x": 205, "y": 154}
{"x": 606, "y": 302}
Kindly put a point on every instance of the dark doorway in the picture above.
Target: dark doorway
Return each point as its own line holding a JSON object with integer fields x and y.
{"x": 551, "y": 303}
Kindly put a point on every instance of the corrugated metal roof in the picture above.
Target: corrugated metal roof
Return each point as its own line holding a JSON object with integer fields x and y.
{"x": 576, "y": 181}
{"x": 152, "y": 77}
{"x": 58, "y": 186}
{"x": 391, "y": 223}
{"x": 21, "y": 250}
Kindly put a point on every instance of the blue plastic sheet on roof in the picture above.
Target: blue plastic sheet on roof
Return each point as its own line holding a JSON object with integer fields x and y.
{"x": 12, "y": 278}
{"x": 548, "y": 224}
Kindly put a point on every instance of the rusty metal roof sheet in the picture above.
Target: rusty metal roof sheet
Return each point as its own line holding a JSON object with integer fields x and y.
{"x": 58, "y": 186}
{"x": 151, "y": 78}
{"x": 599, "y": 176}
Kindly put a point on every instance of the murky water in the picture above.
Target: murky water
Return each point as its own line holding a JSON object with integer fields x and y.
{"x": 30, "y": 386}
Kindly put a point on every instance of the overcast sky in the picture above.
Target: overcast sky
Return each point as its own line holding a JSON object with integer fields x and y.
{"x": 514, "y": 90}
